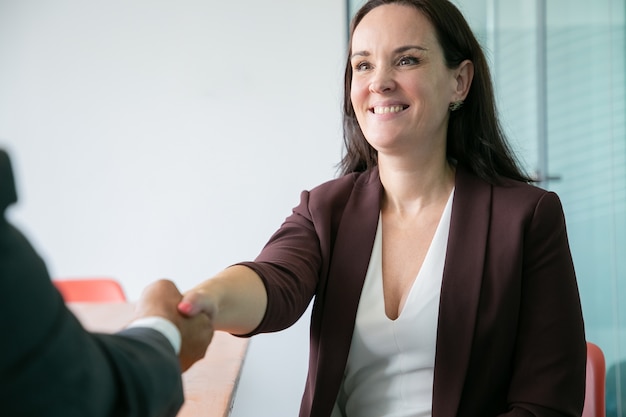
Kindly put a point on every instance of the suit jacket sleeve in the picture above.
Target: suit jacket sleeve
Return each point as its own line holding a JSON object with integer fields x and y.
{"x": 51, "y": 366}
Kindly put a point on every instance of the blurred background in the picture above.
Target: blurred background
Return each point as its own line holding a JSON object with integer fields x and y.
{"x": 155, "y": 139}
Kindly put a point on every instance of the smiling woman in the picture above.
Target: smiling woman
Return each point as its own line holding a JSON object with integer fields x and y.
{"x": 474, "y": 136}
{"x": 418, "y": 312}
{"x": 401, "y": 86}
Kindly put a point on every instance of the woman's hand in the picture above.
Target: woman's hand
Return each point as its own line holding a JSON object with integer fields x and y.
{"x": 198, "y": 301}
{"x": 235, "y": 300}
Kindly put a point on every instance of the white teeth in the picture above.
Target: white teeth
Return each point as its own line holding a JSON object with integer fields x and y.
{"x": 389, "y": 109}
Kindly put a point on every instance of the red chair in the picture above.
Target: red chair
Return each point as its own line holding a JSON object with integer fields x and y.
{"x": 595, "y": 401}
{"x": 91, "y": 290}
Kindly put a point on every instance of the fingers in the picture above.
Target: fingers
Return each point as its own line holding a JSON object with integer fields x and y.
{"x": 187, "y": 308}
{"x": 195, "y": 302}
{"x": 197, "y": 333}
{"x": 192, "y": 314}
{"x": 159, "y": 299}
{"x": 161, "y": 287}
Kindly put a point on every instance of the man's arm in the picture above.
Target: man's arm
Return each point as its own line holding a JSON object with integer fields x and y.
{"x": 51, "y": 366}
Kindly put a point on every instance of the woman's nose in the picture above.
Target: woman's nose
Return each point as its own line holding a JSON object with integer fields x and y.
{"x": 382, "y": 82}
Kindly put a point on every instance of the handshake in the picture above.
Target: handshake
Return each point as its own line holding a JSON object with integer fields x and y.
{"x": 163, "y": 299}
{"x": 237, "y": 292}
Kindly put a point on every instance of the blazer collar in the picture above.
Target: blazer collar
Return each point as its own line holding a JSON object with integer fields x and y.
{"x": 350, "y": 259}
{"x": 460, "y": 291}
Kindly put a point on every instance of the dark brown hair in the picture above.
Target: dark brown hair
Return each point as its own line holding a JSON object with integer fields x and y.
{"x": 475, "y": 137}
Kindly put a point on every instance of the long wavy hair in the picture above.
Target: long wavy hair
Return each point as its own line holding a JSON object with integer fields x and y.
{"x": 475, "y": 137}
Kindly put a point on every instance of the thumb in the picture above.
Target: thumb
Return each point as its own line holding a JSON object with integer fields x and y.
{"x": 194, "y": 303}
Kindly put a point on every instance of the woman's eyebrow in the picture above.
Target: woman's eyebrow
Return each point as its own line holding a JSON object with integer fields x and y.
{"x": 360, "y": 53}
{"x": 397, "y": 50}
{"x": 408, "y": 48}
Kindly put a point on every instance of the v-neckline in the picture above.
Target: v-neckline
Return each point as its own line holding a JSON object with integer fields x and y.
{"x": 425, "y": 263}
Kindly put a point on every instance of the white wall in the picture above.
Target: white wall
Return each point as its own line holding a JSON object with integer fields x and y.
{"x": 153, "y": 138}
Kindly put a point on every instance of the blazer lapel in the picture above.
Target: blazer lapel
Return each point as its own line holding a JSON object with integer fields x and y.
{"x": 462, "y": 277}
{"x": 351, "y": 255}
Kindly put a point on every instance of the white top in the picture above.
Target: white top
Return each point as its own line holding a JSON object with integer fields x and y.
{"x": 163, "y": 326}
{"x": 389, "y": 372}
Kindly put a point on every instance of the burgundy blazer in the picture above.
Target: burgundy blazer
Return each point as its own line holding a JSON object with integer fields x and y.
{"x": 510, "y": 338}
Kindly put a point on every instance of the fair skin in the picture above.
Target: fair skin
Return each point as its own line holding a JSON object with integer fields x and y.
{"x": 235, "y": 298}
{"x": 401, "y": 90}
{"x": 161, "y": 299}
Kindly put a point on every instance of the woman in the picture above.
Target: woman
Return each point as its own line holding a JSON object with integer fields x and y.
{"x": 442, "y": 281}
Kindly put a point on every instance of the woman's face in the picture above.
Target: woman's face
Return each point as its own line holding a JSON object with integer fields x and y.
{"x": 401, "y": 87}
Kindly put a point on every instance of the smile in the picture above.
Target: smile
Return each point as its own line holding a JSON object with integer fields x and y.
{"x": 388, "y": 109}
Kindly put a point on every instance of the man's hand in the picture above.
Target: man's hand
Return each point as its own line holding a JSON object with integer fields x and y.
{"x": 161, "y": 299}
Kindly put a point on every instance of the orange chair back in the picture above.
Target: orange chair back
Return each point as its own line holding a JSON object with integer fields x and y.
{"x": 595, "y": 401}
{"x": 92, "y": 290}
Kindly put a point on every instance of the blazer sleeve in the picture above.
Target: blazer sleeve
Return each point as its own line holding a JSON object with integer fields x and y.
{"x": 550, "y": 356}
{"x": 289, "y": 266}
{"x": 50, "y": 365}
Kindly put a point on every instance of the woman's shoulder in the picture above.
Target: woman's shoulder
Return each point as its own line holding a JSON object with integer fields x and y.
{"x": 502, "y": 186}
{"x": 346, "y": 183}
{"x": 510, "y": 195}
{"x": 521, "y": 188}
{"x": 523, "y": 191}
{"x": 513, "y": 196}
{"x": 334, "y": 194}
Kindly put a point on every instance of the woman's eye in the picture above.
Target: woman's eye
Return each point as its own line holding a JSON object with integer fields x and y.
{"x": 362, "y": 66}
{"x": 408, "y": 60}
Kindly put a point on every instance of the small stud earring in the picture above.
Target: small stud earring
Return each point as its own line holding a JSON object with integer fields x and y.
{"x": 454, "y": 106}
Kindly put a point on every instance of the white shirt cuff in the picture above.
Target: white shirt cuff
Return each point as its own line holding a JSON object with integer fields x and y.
{"x": 163, "y": 326}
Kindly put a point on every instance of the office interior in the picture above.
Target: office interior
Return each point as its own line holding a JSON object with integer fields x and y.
{"x": 169, "y": 139}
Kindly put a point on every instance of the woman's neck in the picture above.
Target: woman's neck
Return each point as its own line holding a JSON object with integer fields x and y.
{"x": 408, "y": 188}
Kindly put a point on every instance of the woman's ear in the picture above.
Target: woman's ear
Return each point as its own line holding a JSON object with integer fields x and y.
{"x": 464, "y": 76}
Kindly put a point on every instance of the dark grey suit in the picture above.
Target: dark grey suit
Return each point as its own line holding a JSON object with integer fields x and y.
{"x": 51, "y": 366}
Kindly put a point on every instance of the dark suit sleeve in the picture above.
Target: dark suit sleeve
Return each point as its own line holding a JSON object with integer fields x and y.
{"x": 51, "y": 366}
